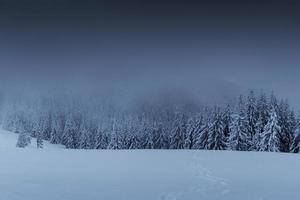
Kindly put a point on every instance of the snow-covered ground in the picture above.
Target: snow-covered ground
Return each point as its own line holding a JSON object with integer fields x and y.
{"x": 61, "y": 174}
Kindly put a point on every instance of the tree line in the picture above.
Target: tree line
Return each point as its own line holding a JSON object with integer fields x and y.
{"x": 253, "y": 123}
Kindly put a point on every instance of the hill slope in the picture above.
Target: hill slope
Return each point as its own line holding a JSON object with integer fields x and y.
{"x": 61, "y": 174}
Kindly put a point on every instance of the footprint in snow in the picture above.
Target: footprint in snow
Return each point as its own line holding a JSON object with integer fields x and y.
{"x": 168, "y": 197}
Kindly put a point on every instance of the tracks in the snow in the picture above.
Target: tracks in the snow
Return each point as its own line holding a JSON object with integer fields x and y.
{"x": 206, "y": 182}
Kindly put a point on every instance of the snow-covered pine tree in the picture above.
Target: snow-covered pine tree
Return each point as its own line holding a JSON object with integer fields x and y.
{"x": 216, "y": 138}
{"x": 160, "y": 140}
{"x": 263, "y": 117}
{"x": 295, "y": 147}
{"x": 84, "y": 138}
{"x": 97, "y": 137}
{"x": 135, "y": 143}
{"x": 293, "y": 124}
{"x": 24, "y": 138}
{"x": 69, "y": 134}
{"x": 56, "y": 132}
{"x": 35, "y": 128}
{"x": 104, "y": 140}
{"x": 114, "y": 142}
{"x": 149, "y": 143}
{"x": 273, "y": 104}
{"x": 202, "y": 134}
{"x": 283, "y": 121}
{"x": 178, "y": 133}
{"x": 144, "y": 137}
{"x": 45, "y": 126}
{"x": 252, "y": 114}
{"x": 39, "y": 140}
{"x": 296, "y": 142}
{"x": 260, "y": 126}
{"x": 227, "y": 119}
{"x": 239, "y": 139}
{"x": 271, "y": 135}
{"x": 263, "y": 111}
{"x": 191, "y": 136}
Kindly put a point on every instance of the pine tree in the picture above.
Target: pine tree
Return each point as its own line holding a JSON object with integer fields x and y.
{"x": 56, "y": 132}
{"x": 98, "y": 142}
{"x": 227, "y": 121}
{"x": 292, "y": 128}
{"x": 24, "y": 138}
{"x": 69, "y": 134}
{"x": 252, "y": 114}
{"x": 160, "y": 140}
{"x": 114, "y": 142}
{"x": 271, "y": 135}
{"x": 84, "y": 139}
{"x": 263, "y": 111}
{"x": 202, "y": 134}
{"x": 295, "y": 147}
{"x": 216, "y": 138}
{"x": 283, "y": 121}
{"x": 102, "y": 139}
{"x": 39, "y": 141}
{"x": 273, "y": 104}
{"x": 263, "y": 117}
{"x": 179, "y": 132}
{"x": 134, "y": 142}
{"x": 260, "y": 126}
{"x": 239, "y": 138}
{"x": 190, "y": 138}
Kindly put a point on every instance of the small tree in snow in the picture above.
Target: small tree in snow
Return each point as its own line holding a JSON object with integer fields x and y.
{"x": 24, "y": 138}
{"x": 39, "y": 141}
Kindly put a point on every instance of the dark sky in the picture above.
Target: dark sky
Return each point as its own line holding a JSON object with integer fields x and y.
{"x": 180, "y": 44}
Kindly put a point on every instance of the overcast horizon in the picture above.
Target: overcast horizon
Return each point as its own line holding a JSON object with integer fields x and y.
{"x": 209, "y": 47}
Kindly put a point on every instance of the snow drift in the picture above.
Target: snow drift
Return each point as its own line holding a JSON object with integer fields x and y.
{"x": 56, "y": 173}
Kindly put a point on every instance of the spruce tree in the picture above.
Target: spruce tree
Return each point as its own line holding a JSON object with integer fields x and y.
{"x": 271, "y": 135}
{"x": 190, "y": 138}
{"x": 39, "y": 141}
{"x": 295, "y": 147}
{"x": 239, "y": 138}
{"x": 283, "y": 121}
{"x": 216, "y": 138}
{"x": 252, "y": 114}
{"x": 179, "y": 132}
{"x": 84, "y": 139}
{"x": 56, "y": 132}
{"x": 114, "y": 142}
{"x": 202, "y": 131}
{"x": 263, "y": 118}
{"x": 69, "y": 134}
{"x": 24, "y": 138}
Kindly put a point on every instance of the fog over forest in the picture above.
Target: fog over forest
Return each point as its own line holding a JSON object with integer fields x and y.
{"x": 70, "y": 69}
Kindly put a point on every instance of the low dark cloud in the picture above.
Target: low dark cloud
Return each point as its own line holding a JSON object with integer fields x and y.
{"x": 205, "y": 47}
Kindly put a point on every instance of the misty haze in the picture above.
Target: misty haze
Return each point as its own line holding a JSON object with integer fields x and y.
{"x": 154, "y": 100}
